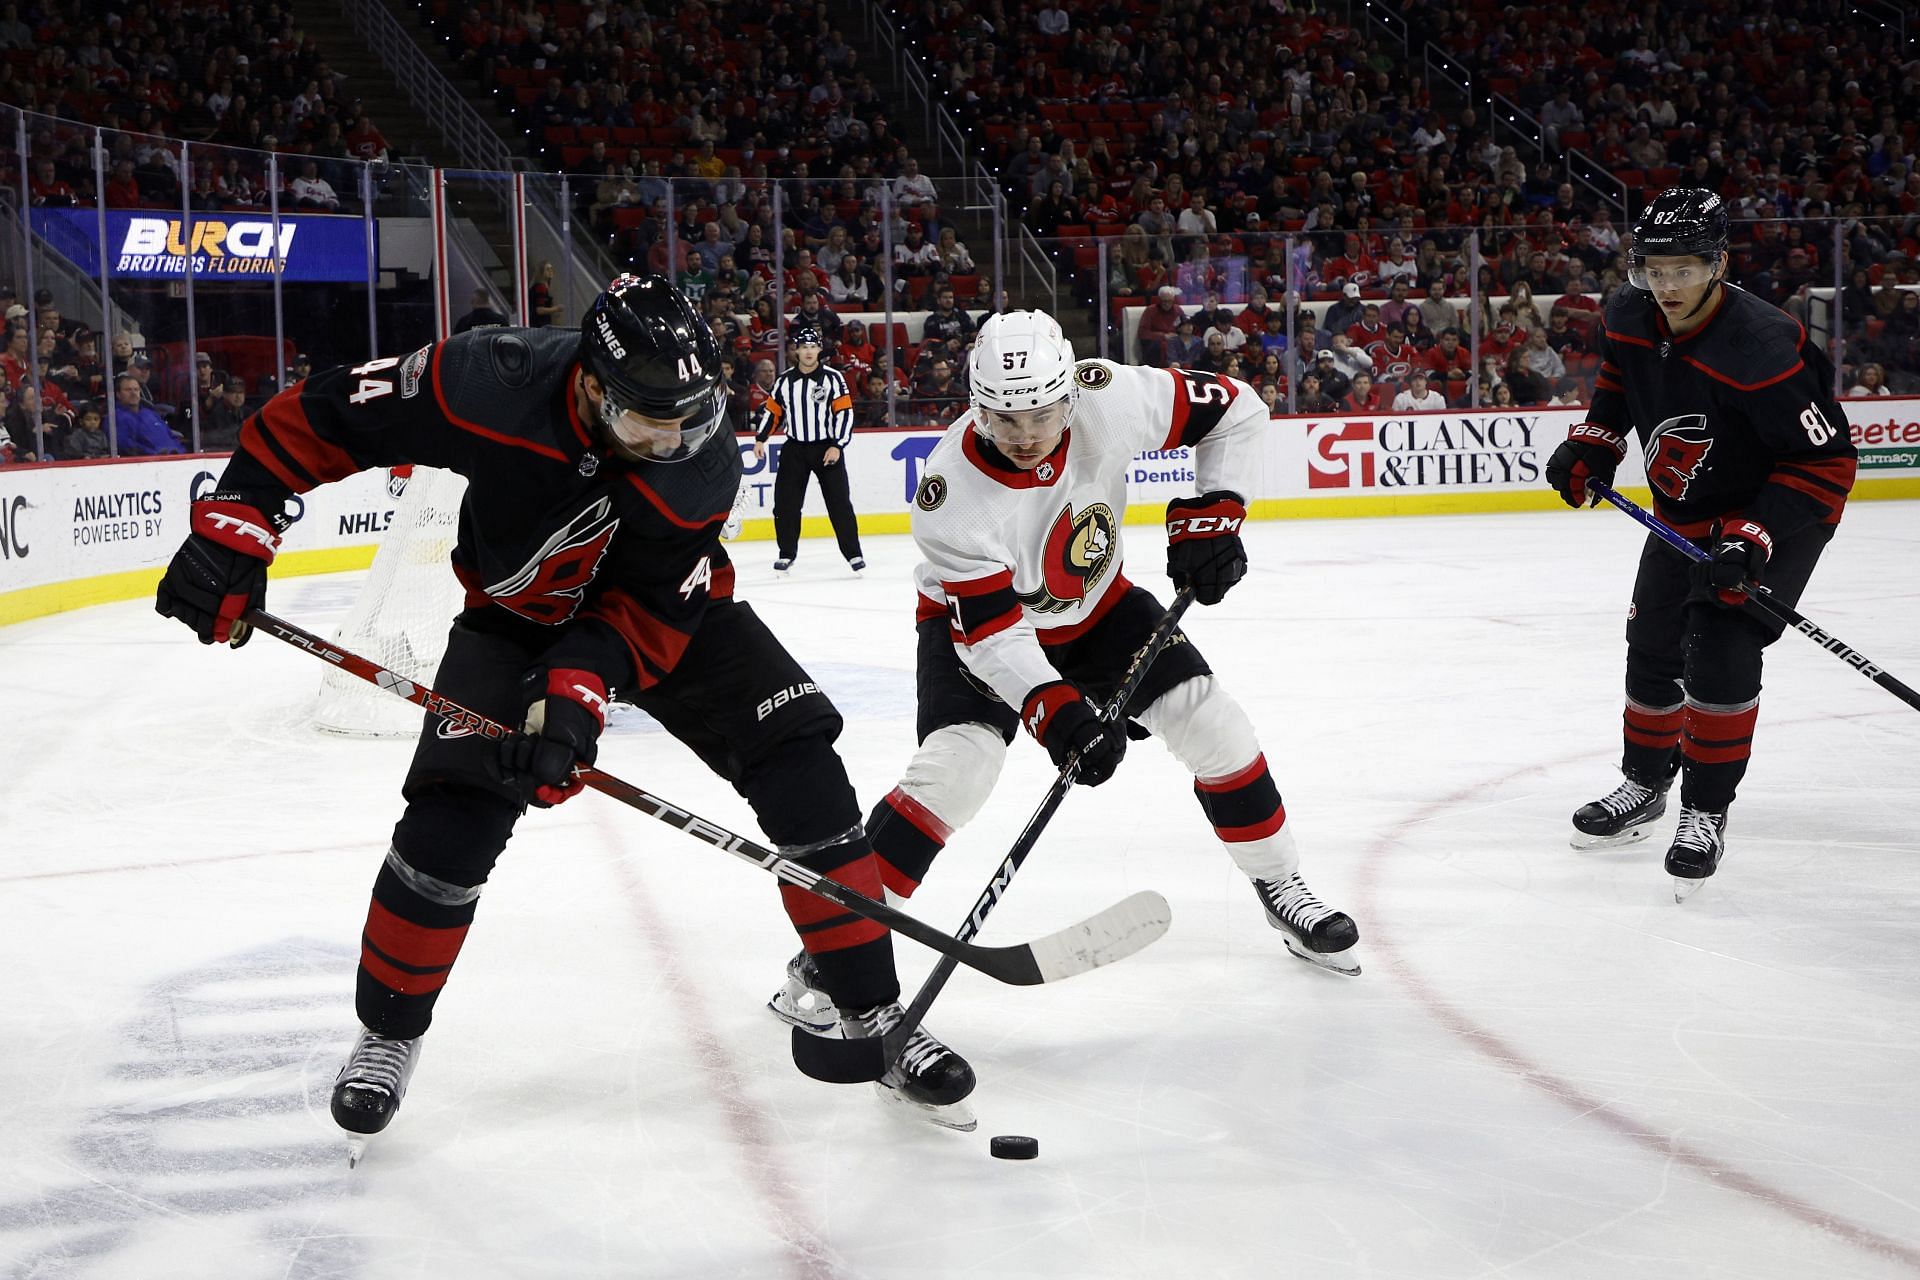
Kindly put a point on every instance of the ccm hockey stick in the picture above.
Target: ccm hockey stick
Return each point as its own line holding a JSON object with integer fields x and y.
{"x": 1111, "y": 935}
{"x": 851, "y": 1061}
{"x": 1760, "y": 598}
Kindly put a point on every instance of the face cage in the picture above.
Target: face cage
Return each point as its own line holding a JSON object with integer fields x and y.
{"x": 694, "y": 432}
{"x": 1637, "y": 266}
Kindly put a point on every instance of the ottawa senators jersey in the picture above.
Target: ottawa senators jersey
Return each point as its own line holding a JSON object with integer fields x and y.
{"x": 1019, "y": 559}
{"x": 553, "y": 529}
{"x": 1738, "y": 416}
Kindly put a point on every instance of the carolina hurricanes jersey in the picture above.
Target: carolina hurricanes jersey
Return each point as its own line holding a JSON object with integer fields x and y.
{"x": 1736, "y": 417}
{"x": 1015, "y": 560}
{"x": 553, "y": 529}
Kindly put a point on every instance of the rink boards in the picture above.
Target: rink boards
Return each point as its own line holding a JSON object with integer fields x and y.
{"x": 78, "y": 534}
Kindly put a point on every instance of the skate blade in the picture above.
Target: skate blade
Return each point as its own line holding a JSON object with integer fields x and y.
{"x": 955, "y": 1115}
{"x": 1632, "y": 835}
{"x": 356, "y": 1151}
{"x": 1340, "y": 962}
{"x": 1684, "y": 889}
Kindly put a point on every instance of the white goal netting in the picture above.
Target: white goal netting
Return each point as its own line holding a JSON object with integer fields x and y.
{"x": 401, "y": 617}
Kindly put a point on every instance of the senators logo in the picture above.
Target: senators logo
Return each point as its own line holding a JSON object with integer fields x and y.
{"x": 549, "y": 587}
{"x": 1079, "y": 551}
{"x": 1676, "y": 451}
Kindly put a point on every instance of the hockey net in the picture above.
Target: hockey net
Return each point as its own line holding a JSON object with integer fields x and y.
{"x": 401, "y": 617}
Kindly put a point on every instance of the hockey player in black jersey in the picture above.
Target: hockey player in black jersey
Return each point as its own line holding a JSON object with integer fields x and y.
{"x": 1747, "y": 454}
{"x": 599, "y": 471}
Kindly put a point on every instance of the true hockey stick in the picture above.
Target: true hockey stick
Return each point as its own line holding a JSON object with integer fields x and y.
{"x": 848, "y": 1061}
{"x": 1101, "y": 939}
{"x": 1762, "y": 599}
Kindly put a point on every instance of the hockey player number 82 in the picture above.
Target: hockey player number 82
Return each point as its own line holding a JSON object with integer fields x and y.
{"x": 1818, "y": 430}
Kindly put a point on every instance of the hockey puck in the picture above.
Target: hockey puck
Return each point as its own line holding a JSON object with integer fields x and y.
{"x": 1011, "y": 1146}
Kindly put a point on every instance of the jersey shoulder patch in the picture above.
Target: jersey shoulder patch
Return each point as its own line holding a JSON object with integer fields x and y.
{"x": 1755, "y": 342}
{"x": 1094, "y": 375}
{"x": 483, "y": 371}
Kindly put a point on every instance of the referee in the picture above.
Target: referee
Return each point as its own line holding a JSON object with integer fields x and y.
{"x": 811, "y": 402}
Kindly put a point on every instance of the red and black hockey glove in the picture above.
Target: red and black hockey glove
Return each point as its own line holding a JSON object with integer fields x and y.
{"x": 566, "y": 710}
{"x": 220, "y": 571}
{"x": 1590, "y": 452}
{"x": 1203, "y": 544}
{"x": 1741, "y": 549}
{"x": 1060, "y": 720}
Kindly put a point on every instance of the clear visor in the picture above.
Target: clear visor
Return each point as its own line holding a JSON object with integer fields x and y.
{"x": 1662, "y": 274}
{"x": 1026, "y": 435}
{"x": 652, "y": 439}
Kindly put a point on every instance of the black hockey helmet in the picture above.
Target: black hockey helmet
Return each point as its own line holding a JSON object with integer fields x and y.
{"x": 1679, "y": 222}
{"x": 804, "y": 336}
{"x": 649, "y": 350}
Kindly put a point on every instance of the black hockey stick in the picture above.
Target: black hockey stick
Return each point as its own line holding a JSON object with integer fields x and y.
{"x": 1101, "y": 939}
{"x": 850, "y": 1061}
{"x": 1762, "y": 599}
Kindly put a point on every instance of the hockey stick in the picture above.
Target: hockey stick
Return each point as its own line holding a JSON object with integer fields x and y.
{"x": 1101, "y": 939}
{"x": 849, "y": 1061}
{"x": 1759, "y": 597}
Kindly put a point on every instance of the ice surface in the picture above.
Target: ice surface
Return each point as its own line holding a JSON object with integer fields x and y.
{"x": 1548, "y": 1069}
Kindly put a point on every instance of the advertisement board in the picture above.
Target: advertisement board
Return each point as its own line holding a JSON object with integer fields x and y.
{"x": 150, "y": 244}
{"x": 81, "y": 533}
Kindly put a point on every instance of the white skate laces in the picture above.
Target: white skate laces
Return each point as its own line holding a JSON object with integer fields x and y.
{"x": 378, "y": 1063}
{"x": 1699, "y": 830}
{"x": 1292, "y": 899}
{"x": 1625, "y": 798}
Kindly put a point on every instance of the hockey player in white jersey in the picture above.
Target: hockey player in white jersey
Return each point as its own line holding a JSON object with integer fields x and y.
{"x": 1026, "y": 616}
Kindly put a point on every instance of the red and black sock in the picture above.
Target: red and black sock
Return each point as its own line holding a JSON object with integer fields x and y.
{"x": 1651, "y": 734}
{"x": 406, "y": 951}
{"x": 854, "y": 955}
{"x": 1715, "y": 747}
{"x": 907, "y": 836}
{"x": 1244, "y": 805}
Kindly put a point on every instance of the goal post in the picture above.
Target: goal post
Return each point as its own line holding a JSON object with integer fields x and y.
{"x": 402, "y": 615}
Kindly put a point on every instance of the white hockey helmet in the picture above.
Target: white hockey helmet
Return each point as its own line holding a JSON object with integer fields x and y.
{"x": 1020, "y": 361}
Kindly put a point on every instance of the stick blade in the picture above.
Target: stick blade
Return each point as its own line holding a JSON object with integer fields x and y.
{"x": 1114, "y": 934}
{"x": 836, "y": 1061}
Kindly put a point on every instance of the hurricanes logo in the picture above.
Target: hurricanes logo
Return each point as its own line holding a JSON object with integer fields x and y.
{"x": 1080, "y": 549}
{"x": 1676, "y": 451}
{"x": 933, "y": 492}
{"x": 1093, "y": 376}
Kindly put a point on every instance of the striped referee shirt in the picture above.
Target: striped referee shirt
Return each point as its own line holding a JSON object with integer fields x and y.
{"x": 812, "y": 407}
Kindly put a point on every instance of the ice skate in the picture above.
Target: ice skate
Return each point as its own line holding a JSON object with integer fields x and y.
{"x": 801, "y": 1003}
{"x": 1311, "y": 929}
{"x": 370, "y": 1086}
{"x": 782, "y": 565}
{"x": 929, "y": 1078}
{"x": 858, "y": 564}
{"x": 1697, "y": 849}
{"x": 1622, "y": 816}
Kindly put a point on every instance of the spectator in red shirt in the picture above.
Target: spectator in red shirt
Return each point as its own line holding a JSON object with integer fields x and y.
{"x": 123, "y": 190}
{"x": 1450, "y": 364}
{"x": 1158, "y": 323}
{"x": 48, "y": 189}
{"x": 365, "y": 141}
{"x": 1361, "y": 397}
{"x": 1368, "y": 329}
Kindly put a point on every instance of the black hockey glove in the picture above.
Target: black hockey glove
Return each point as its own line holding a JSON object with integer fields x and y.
{"x": 1203, "y": 544}
{"x": 566, "y": 710}
{"x": 1060, "y": 720}
{"x": 1590, "y": 452}
{"x": 1740, "y": 550}
{"x": 220, "y": 571}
